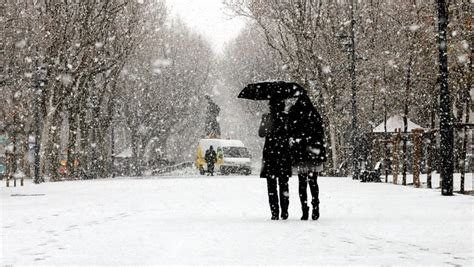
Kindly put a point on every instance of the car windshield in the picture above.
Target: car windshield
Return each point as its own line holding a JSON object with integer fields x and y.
{"x": 235, "y": 152}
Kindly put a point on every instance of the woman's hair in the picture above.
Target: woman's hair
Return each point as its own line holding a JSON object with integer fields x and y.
{"x": 304, "y": 104}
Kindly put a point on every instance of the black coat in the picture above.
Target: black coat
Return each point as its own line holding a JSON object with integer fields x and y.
{"x": 306, "y": 133}
{"x": 210, "y": 156}
{"x": 276, "y": 161}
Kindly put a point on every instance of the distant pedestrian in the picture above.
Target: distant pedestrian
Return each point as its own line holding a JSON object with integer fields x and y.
{"x": 308, "y": 153}
{"x": 211, "y": 158}
{"x": 276, "y": 162}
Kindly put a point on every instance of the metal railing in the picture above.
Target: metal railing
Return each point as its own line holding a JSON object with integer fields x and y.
{"x": 172, "y": 168}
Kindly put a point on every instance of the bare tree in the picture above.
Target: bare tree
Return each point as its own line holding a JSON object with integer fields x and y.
{"x": 162, "y": 85}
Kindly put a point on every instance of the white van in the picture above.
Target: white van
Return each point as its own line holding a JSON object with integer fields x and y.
{"x": 232, "y": 156}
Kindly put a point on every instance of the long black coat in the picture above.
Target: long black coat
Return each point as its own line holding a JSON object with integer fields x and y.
{"x": 306, "y": 134}
{"x": 276, "y": 161}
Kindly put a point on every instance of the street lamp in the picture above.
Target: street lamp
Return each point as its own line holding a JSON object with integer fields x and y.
{"x": 354, "y": 131}
{"x": 385, "y": 135}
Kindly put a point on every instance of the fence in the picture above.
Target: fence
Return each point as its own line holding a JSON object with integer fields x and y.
{"x": 172, "y": 168}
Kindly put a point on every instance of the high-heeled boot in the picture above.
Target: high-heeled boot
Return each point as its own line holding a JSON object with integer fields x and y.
{"x": 275, "y": 213}
{"x": 305, "y": 210}
{"x": 315, "y": 214}
{"x": 274, "y": 216}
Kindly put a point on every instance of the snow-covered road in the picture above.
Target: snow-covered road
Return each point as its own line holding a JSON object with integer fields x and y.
{"x": 225, "y": 220}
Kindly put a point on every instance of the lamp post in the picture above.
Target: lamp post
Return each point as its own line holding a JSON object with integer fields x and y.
{"x": 446, "y": 127}
{"x": 112, "y": 149}
{"x": 385, "y": 136}
{"x": 354, "y": 131}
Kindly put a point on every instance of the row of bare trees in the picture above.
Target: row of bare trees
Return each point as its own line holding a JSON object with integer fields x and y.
{"x": 86, "y": 66}
{"x": 396, "y": 57}
{"x": 161, "y": 94}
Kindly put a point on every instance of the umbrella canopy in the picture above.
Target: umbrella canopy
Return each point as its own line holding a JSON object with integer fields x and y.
{"x": 279, "y": 90}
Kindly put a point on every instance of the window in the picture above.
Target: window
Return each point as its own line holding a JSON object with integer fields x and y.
{"x": 235, "y": 152}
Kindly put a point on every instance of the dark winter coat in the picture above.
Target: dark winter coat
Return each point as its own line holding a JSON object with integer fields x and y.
{"x": 276, "y": 161}
{"x": 210, "y": 156}
{"x": 306, "y": 132}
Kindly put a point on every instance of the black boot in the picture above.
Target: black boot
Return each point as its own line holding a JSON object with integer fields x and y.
{"x": 305, "y": 213}
{"x": 315, "y": 214}
{"x": 274, "y": 216}
{"x": 284, "y": 215}
{"x": 275, "y": 212}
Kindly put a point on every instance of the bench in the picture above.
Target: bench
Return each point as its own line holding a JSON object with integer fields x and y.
{"x": 371, "y": 175}
{"x": 341, "y": 170}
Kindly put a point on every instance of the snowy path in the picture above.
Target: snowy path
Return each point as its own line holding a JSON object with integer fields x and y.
{"x": 226, "y": 221}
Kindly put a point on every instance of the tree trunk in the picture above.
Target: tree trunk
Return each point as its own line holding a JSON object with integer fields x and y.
{"x": 104, "y": 153}
{"x": 93, "y": 159}
{"x": 136, "y": 152}
{"x": 54, "y": 147}
{"x": 332, "y": 134}
{"x": 464, "y": 145}
{"x": 83, "y": 164}
{"x": 405, "y": 120}
{"x": 72, "y": 143}
{"x": 446, "y": 128}
{"x": 432, "y": 140}
{"x": 50, "y": 111}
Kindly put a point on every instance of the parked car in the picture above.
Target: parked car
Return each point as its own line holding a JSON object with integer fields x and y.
{"x": 232, "y": 156}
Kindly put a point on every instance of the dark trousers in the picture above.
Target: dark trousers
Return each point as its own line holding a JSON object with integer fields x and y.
{"x": 273, "y": 195}
{"x": 210, "y": 168}
{"x": 304, "y": 179}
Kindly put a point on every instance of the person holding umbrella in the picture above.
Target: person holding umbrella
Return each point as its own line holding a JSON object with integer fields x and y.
{"x": 276, "y": 161}
{"x": 307, "y": 150}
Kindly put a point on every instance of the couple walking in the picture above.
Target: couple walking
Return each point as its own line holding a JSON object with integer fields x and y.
{"x": 294, "y": 139}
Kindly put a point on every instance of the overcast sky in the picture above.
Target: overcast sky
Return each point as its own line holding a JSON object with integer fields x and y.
{"x": 209, "y": 18}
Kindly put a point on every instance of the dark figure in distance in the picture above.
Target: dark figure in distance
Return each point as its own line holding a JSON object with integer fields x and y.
{"x": 210, "y": 158}
{"x": 276, "y": 162}
{"x": 307, "y": 149}
{"x": 213, "y": 129}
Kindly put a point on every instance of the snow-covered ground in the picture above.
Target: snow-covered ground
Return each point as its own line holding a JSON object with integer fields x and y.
{"x": 225, "y": 220}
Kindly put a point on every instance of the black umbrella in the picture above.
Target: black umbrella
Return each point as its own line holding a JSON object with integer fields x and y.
{"x": 271, "y": 90}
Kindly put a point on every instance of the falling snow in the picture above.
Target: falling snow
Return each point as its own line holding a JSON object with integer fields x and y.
{"x": 92, "y": 90}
